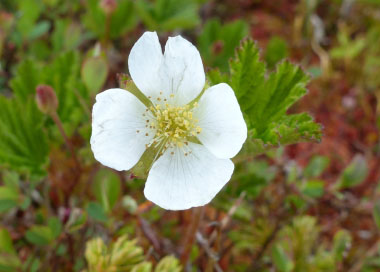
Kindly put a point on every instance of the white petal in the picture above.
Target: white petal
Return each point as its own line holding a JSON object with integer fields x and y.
{"x": 118, "y": 129}
{"x": 178, "y": 182}
{"x": 182, "y": 72}
{"x": 223, "y": 127}
{"x": 144, "y": 62}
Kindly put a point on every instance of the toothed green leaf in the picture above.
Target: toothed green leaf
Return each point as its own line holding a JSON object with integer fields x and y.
{"x": 265, "y": 100}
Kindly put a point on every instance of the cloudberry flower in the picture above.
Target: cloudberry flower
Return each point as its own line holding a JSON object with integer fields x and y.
{"x": 195, "y": 137}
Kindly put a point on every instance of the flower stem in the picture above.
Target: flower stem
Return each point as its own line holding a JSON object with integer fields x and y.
{"x": 82, "y": 102}
{"x": 107, "y": 31}
{"x": 69, "y": 145}
{"x": 190, "y": 235}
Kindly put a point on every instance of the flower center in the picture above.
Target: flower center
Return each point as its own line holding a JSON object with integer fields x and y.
{"x": 173, "y": 125}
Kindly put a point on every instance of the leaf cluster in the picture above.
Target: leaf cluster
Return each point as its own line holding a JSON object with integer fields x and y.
{"x": 265, "y": 99}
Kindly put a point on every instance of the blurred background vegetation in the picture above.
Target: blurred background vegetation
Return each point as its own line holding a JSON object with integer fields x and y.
{"x": 298, "y": 201}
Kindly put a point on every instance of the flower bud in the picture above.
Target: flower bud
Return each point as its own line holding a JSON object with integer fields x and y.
{"x": 217, "y": 47}
{"x": 46, "y": 99}
{"x": 108, "y": 6}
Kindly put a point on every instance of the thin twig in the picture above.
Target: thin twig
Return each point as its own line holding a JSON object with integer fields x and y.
{"x": 149, "y": 233}
{"x": 226, "y": 220}
{"x": 190, "y": 236}
{"x": 210, "y": 253}
{"x": 368, "y": 254}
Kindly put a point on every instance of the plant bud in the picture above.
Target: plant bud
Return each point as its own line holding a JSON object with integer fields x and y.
{"x": 46, "y": 99}
{"x": 217, "y": 47}
{"x": 108, "y": 6}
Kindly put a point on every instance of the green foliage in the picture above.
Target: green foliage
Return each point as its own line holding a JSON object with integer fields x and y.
{"x": 9, "y": 198}
{"x": 264, "y": 101}
{"x": 62, "y": 74}
{"x": 348, "y": 48}
{"x": 39, "y": 235}
{"x": 123, "y": 255}
{"x": 30, "y": 11}
{"x": 122, "y": 19}
{"x": 342, "y": 240}
{"x": 277, "y": 49}
{"x": 94, "y": 73}
{"x": 67, "y": 35}
{"x": 6, "y": 244}
{"x": 313, "y": 188}
{"x": 376, "y": 214}
{"x": 26, "y": 79}
{"x": 23, "y": 144}
{"x": 298, "y": 250}
{"x": 168, "y": 264}
{"x": 168, "y": 15}
{"x": 9, "y": 260}
{"x": 354, "y": 174}
{"x": 254, "y": 177}
{"x": 316, "y": 166}
{"x": 107, "y": 188}
{"x": 282, "y": 262}
{"x": 299, "y": 240}
{"x": 49, "y": 208}
{"x": 96, "y": 212}
{"x": 217, "y": 42}
{"x": 76, "y": 221}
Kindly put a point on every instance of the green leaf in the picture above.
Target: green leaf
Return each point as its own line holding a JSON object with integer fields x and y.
{"x": 96, "y": 211}
{"x": 8, "y": 198}
{"x": 63, "y": 74}
{"x": 39, "y": 29}
{"x": 168, "y": 264}
{"x": 313, "y": 188}
{"x": 217, "y": 42}
{"x": 348, "y": 48}
{"x": 282, "y": 262}
{"x": 316, "y": 166}
{"x": 142, "y": 267}
{"x": 23, "y": 144}
{"x": 26, "y": 79}
{"x": 55, "y": 226}
{"x": 168, "y": 15}
{"x": 354, "y": 174}
{"x": 342, "y": 240}
{"x": 76, "y": 221}
{"x": 376, "y": 214}
{"x": 265, "y": 100}
{"x": 107, "y": 188}
{"x": 67, "y": 35}
{"x": 9, "y": 263}
{"x": 30, "y": 11}
{"x": 39, "y": 235}
{"x": 11, "y": 180}
{"x": 277, "y": 50}
{"x": 254, "y": 177}
{"x": 94, "y": 73}
{"x": 6, "y": 244}
{"x": 122, "y": 20}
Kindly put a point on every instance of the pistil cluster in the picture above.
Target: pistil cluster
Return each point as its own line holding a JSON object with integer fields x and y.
{"x": 172, "y": 125}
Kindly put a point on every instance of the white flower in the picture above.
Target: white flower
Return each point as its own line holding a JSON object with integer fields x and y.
{"x": 196, "y": 137}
